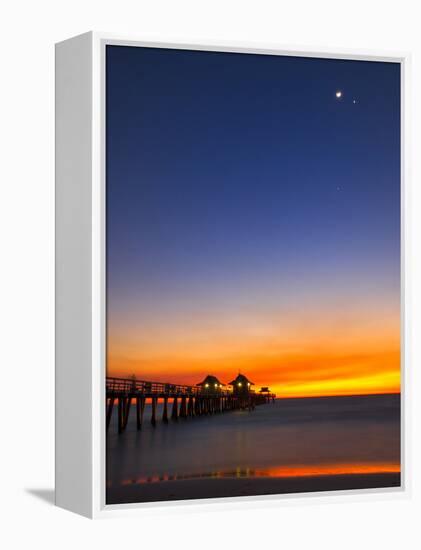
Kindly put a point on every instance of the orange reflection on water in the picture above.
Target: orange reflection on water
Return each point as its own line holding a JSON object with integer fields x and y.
{"x": 331, "y": 469}
{"x": 313, "y": 470}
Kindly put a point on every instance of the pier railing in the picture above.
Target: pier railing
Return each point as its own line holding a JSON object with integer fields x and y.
{"x": 150, "y": 389}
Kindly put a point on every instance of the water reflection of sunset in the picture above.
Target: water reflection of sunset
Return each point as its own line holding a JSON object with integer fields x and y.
{"x": 315, "y": 470}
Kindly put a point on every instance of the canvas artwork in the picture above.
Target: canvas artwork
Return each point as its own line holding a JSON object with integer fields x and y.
{"x": 252, "y": 274}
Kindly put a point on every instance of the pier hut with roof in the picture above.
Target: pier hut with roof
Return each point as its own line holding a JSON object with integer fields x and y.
{"x": 241, "y": 385}
{"x": 211, "y": 384}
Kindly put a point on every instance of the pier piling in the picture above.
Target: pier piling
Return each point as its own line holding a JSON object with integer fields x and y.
{"x": 174, "y": 411}
{"x": 126, "y": 411}
{"x": 120, "y": 415}
{"x": 183, "y": 409}
{"x": 153, "y": 416}
{"x": 190, "y": 408}
{"x": 140, "y": 407}
{"x": 165, "y": 410}
{"x": 110, "y": 407}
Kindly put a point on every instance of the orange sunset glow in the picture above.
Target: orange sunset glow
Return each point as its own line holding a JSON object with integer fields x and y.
{"x": 340, "y": 354}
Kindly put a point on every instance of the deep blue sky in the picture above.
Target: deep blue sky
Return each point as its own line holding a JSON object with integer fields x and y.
{"x": 238, "y": 177}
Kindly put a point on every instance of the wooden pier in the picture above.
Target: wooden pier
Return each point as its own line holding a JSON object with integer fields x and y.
{"x": 179, "y": 401}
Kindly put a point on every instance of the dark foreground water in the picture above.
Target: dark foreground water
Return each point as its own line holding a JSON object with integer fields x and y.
{"x": 291, "y": 445}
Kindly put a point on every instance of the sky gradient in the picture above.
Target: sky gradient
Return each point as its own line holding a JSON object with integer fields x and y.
{"x": 253, "y": 220}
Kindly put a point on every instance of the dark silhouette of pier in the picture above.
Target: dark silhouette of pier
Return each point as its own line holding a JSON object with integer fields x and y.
{"x": 206, "y": 398}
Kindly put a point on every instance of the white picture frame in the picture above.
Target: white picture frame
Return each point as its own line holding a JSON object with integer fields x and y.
{"x": 80, "y": 272}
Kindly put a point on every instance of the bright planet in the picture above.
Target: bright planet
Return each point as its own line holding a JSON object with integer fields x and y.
{"x": 338, "y": 94}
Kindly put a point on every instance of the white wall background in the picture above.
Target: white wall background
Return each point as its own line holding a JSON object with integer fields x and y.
{"x": 29, "y": 29}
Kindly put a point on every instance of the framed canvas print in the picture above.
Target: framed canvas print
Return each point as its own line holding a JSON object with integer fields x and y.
{"x": 230, "y": 273}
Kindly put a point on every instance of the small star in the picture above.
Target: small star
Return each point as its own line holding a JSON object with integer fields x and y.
{"x": 354, "y": 101}
{"x": 338, "y": 189}
{"x": 338, "y": 94}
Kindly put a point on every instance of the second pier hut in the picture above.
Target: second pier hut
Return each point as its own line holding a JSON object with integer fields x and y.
{"x": 241, "y": 385}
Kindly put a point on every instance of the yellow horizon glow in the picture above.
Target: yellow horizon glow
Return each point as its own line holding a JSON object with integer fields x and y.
{"x": 288, "y": 375}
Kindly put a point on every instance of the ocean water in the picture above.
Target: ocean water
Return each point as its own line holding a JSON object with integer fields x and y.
{"x": 311, "y": 436}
